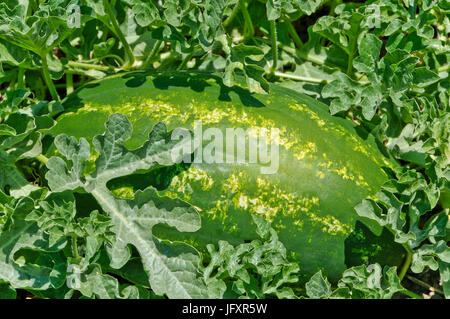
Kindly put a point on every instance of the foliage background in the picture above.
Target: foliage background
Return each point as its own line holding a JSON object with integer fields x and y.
{"x": 383, "y": 64}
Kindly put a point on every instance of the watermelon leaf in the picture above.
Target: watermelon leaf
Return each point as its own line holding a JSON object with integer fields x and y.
{"x": 132, "y": 220}
{"x": 21, "y": 234}
{"x": 365, "y": 281}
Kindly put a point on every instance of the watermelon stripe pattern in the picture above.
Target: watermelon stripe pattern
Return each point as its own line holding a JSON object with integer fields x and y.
{"x": 327, "y": 165}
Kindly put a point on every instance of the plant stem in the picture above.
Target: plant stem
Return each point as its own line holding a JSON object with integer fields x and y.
{"x": 408, "y": 258}
{"x": 333, "y": 6}
{"x": 351, "y": 54}
{"x": 406, "y": 263}
{"x": 129, "y": 53}
{"x": 298, "y": 42}
{"x": 69, "y": 83}
{"x": 42, "y": 158}
{"x": 114, "y": 56}
{"x": 411, "y": 294}
{"x": 295, "y": 52}
{"x": 64, "y": 85}
{"x": 300, "y": 78}
{"x": 20, "y": 78}
{"x": 350, "y": 60}
{"x": 48, "y": 79}
{"x": 83, "y": 65}
{"x": 80, "y": 83}
{"x": 152, "y": 54}
{"x": 273, "y": 37}
{"x": 185, "y": 60}
{"x": 248, "y": 20}
{"x": 424, "y": 284}
{"x": 75, "y": 247}
{"x": 233, "y": 14}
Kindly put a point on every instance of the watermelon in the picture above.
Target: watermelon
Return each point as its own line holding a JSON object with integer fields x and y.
{"x": 326, "y": 165}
